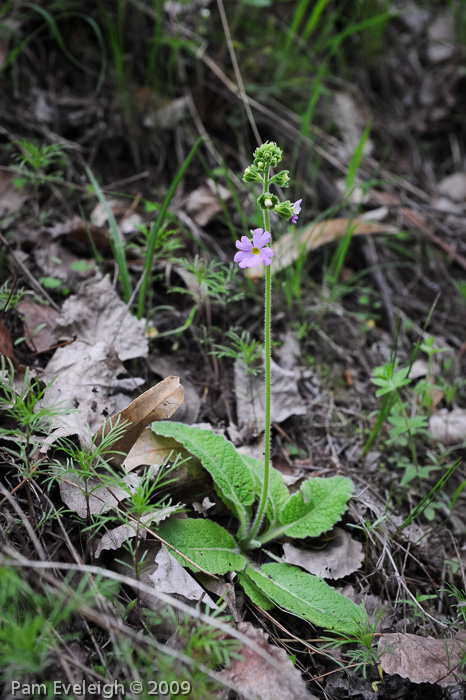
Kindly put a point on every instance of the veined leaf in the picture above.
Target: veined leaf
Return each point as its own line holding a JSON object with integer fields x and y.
{"x": 307, "y": 596}
{"x": 278, "y": 491}
{"x": 232, "y": 477}
{"x": 254, "y": 592}
{"x": 314, "y": 509}
{"x": 206, "y": 543}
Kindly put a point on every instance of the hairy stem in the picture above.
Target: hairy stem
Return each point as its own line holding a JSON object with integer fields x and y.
{"x": 268, "y": 342}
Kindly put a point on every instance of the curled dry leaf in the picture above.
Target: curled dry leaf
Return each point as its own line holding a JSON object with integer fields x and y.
{"x": 341, "y": 556}
{"x": 165, "y": 366}
{"x": 153, "y": 450}
{"x": 423, "y": 659}
{"x": 158, "y": 403}
{"x": 258, "y": 680}
{"x": 189, "y": 476}
{"x": 290, "y": 246}
{"x": 203, "y": 507}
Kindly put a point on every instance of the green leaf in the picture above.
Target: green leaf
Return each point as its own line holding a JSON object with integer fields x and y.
{"x": 206, "y": 543}
{"x": 232, "y": 477}
{"x": 316, "y": 507}
{"x": 278, "y": 491}
{"x": 254, "y": 592}
{"x": 309, "y": 597}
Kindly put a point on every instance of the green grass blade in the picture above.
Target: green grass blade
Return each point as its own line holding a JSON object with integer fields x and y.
{"x": 297, "y": 18}
{"x": 159, "y": 223}
{"x": 356, "y": 159}
{"x": 314, "y": 19}
{"x": 430, "y": 496}
{"x": 118, "y": 245}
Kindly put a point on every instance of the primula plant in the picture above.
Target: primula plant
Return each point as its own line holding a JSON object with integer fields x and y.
{"x": 253, "y": 491}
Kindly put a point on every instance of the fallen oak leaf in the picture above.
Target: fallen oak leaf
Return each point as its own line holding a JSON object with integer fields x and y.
{"x": 289, "y": 247}
{"x": 97, "y": 314}
{"x": 423, "y": 659}
{"x": 158, "y": 403}
{"x": 341, "y": 557}
{"x": 257, "y": 680}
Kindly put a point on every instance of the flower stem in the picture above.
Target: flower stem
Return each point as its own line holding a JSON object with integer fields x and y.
{"x": 267, "y": 352}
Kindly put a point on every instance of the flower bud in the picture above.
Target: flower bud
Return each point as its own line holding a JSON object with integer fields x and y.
{"x": 268, "y": 201}
{"x": 284, "y": 210}
{"x": 251, "y": 175}
{"x": 269, "y": 155}
{"x": 281, "y": 179}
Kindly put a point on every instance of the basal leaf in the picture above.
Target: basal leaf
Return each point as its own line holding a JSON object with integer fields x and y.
{"x": 278, "y": 491}
{"x": 253, "y": 591}
{"x": 206, "y": 543}
{"x": 308, "y": 596}
{"x": 316, "y": 507}
{"x": 232, "y": 477}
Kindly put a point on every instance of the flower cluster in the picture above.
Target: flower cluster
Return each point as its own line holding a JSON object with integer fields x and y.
{"x": 255, "y": 252}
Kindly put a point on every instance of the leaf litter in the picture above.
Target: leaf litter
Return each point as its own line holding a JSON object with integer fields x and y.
{"x": 339, "y": 557}
{"x": 436, "y": 92}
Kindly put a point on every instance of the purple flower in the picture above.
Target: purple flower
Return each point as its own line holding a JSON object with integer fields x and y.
{"x": 252, "y": 253}
{"x": 296, "y": 209}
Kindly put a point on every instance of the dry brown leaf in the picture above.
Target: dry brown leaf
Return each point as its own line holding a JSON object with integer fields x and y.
{"x": 258, "y": 680}
{"x": 166, "y": 365}
{"x": 203, "y": 507}
{"x": 423, "y": 659}
{"x": 454, "y": 187}
{"x": 352, "y": 114}
{"x": 86, "y": 380}
{"x": 189, "y": 477}
{"x": 170, "y": 577}
{"x": 441, "y": 38}
{"x": 225, "y": 592}
{"x": 39, "y": 320}
{"x": 285, "y": 400}
{"x": 11, "y": 198}
{"x": 153, "y": 450}
{"x": 6, "y": 346}
{"x": 101, "y": 499}
{"x": 341, "y": 556}
{"x": 97, "y": 314}
{"x": 158, "y": 403}
{"x": 113, "y": 539}
{"x": 290, "y": 246}
{"x": 448, "y": 427}
{"x": 79, "y": 230}
{"x": 203, "y": 203}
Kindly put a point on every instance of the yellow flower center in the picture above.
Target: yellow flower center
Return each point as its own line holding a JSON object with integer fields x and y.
{"x": 256, "y": 251}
